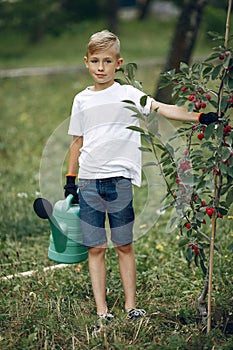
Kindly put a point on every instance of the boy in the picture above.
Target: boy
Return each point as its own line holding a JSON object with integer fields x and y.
{"x": 109, "y": 162}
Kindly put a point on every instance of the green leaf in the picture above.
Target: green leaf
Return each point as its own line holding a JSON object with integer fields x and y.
{"x": 230, "y": 171}
{"x": 189, "y": 254}
{"x": 183, "y": 242}
{"x": 225, "y": 154}
{"x": 219, "y": 131}
{"x": 160, "y": 146}
{"x": 137, "y": 85}
{"x": 227, "y": 61}
{"x": 207, "y": 70}
{"x": 129, "y": 101}
{"x": 143, "y": 100}
{"x": 223, "y": 168}
{"x": 191, "y": 107}
{"x": 134, "y": 109}
{"x": 146, "y": 138}
{"x": 150, "y": 164}
{"x": 121, "y": 81}
{"x": 200, "y": 215}
{"x": 222, "y": 211}
{"x": 170, "y": 149}
{"x": 196, "y": 258}
{"x": 209, "y": 131}
{"x": 184, "y": 67}
{"x": 136, "y": 128}
{"x": 131, "y": 65}
{"x": 216, "y": 72}
{"x": 203, "y": 267}
{"x": 131, "y": 68}
{"x": 145, "y": 149}
{"x": 229, "y": 197}
{"x": 212, "y": 56}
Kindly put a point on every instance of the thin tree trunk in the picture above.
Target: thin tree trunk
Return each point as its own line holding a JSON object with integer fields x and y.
{"x": 113, "y": 7}
{"x": 183, "y": 41}
{"x": 143, "y": 8}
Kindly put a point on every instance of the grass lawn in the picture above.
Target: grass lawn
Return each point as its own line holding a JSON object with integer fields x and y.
{"x": 55, "y": 309}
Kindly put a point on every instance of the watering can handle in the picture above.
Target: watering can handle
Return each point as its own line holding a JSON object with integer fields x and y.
{"x": 67, "y": 203}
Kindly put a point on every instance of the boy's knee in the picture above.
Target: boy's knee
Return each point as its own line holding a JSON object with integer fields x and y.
{"x": 125, "y": 249}
{"x": 96, "y": 251}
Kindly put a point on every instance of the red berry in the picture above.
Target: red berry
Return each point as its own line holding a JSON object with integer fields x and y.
{"x": 197, "y": 251}
{"x": 222, "y": 56}
{"x": 216, "y": 171}
{"x": 227, "y": 129}
{"x": 220, "y": 215}
{"x": 198, "y": 105}
{"x": 203, "y": 105}
{"x": 201, "y": 136}
{"x": 184, "y": 88}
{"x": 191, "y": 97}
{"x": 177, "y": 180}
{"x": 208, "y": 96}
{"x": 209, "y": 211}
{"x": 203, "y": 203}
{"x": 188, "y": 225}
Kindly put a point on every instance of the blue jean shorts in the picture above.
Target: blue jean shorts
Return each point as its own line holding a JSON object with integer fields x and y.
{"x": 112, "y": 197}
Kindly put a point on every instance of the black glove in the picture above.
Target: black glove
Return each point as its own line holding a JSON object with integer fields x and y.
{"x": 71, "y": 188}
{"x": 207, "y": 118}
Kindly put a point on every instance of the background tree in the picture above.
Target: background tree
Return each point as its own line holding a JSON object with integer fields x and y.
{"x": 143, "y": 9}
{"x": 112, "y": 15}
{"x": 183, "y": 41}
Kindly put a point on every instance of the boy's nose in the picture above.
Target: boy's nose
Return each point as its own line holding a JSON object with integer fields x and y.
{"x": 100, "y": 67}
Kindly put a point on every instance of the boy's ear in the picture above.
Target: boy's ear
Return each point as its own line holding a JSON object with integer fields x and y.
{"x": 86, "y": 61}
{"x": 119, "y": 62}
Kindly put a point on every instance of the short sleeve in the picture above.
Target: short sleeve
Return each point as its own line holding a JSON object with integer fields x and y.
{"x": 136, "y": 95}
{"x": 75, "y": 126}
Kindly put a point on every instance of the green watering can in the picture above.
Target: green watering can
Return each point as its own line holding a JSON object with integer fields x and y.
{"x": 66, "y": 237}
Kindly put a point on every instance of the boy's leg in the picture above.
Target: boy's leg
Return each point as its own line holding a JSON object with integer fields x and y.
{"x": 92, "y": 215}
{"x": 97, "y": 269}
{"x": 127, "y": 268}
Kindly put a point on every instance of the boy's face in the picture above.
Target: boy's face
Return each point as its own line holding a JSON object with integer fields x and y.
{"x": 102, "y": 65}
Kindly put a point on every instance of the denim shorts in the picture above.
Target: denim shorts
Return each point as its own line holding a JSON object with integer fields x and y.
{"x": 112, "y": 197}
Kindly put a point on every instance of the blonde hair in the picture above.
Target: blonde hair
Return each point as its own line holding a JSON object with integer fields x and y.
{"x": 102, "y": 41}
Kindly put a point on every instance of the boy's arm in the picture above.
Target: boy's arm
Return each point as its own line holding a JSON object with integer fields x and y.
{"x": 75, "y": 147}
{"x": 179, "y": 113}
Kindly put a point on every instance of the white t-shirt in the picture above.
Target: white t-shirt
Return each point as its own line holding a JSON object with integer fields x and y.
{"x": 109, "y": 148}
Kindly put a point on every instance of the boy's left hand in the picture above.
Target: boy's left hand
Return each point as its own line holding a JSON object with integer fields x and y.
{"x": 207, "y": 118}
{"x": 71, "y": 188}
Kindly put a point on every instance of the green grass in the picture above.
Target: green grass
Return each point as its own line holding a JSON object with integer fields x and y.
{"x": 55, "y": 310}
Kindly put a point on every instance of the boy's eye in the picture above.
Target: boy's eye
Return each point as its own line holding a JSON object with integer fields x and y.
{"x": 93, "y": 61}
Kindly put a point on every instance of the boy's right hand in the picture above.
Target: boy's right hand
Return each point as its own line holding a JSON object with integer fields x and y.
{"x": 71, "y": 188}
{"x": 207, "y": 118}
